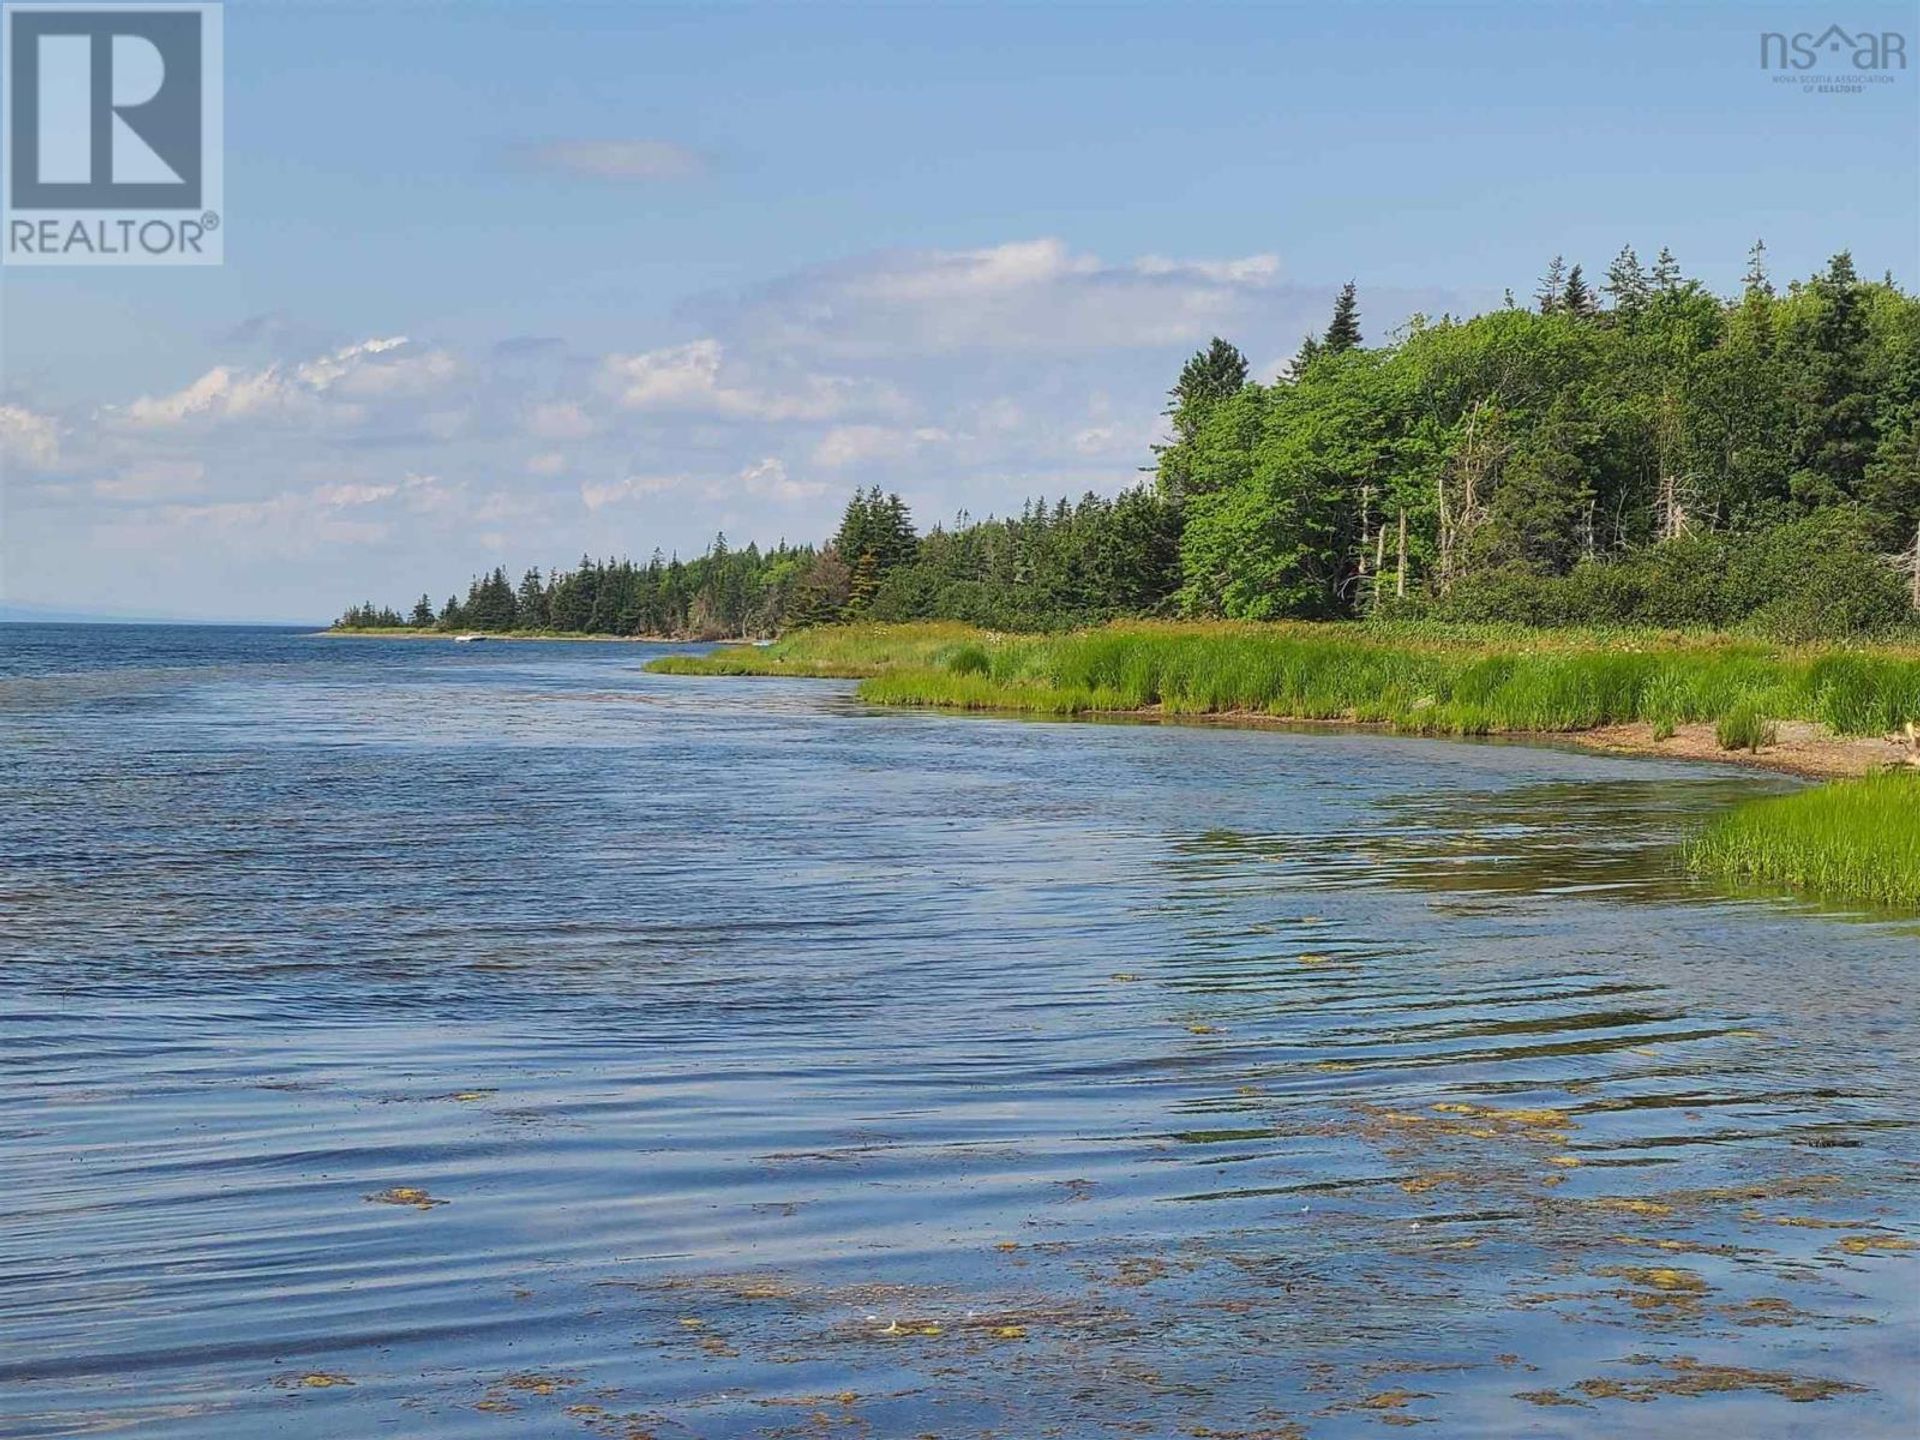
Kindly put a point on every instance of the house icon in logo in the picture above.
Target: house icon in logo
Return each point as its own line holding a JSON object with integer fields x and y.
{"x": 1834, "y": 40}
{"x": 1886, "y": 50}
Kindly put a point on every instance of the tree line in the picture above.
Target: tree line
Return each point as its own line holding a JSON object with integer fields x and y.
{"x": 1638, "y": 450}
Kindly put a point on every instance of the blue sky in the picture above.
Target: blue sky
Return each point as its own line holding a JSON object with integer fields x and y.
{"x": 510, "y": 282}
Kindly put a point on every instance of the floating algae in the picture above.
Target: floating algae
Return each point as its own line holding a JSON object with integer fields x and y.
{"x": 1867, "y": 1244}
{"x": 405, "y": 1195}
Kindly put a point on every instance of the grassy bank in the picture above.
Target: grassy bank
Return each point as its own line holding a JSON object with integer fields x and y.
{"x": 1415, "y": 678}
{"x": 1857, "y": 839}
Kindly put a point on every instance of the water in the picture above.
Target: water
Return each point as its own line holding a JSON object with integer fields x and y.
{"x": 403, "y": 1038}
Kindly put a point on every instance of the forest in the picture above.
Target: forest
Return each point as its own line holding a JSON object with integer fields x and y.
{"x": 1628, "y": 450}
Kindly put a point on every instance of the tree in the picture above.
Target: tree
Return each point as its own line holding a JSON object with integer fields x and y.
{"x": 1576, "y": 299}
{"x": 1343, "y": 331}
{"x": 531, "y": 601}
{"x": 1210, "y": 376}
{"x": 1832, "y": 407}
{"x": 422, "y": 617}
{"x": 1553, "y": 286}
{"x": 1666, "y": 272}
{"x": 1627, "y": 283}
{"x": 1756, "y": 277}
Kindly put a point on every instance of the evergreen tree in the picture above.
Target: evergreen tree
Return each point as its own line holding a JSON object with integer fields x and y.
{"x": 422, "y": 617}
{"x": 1553, "y": 286}
{"x": 1577, "y": 299}
{"x": 1343, "y": 331}
{"x": 1210, "y": 376}
{"x": 1627, "y": 283}
{"x": 1666, "y": 272}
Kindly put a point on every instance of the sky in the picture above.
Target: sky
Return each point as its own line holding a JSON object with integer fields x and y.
{"x": 513, "y": 283}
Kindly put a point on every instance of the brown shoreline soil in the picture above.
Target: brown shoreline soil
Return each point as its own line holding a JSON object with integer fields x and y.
{"x": 1801, "y": 748}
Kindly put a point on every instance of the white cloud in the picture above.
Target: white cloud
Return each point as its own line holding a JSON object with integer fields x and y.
{"x": 341, "y": 496}
{"x": 769, "y": 480}
{"x": 599, "y": 496}
{"x": 696, "y": 379}
{"x": 548, "y": 463}
{"x": 28, "y": 440}
{"x": 337, "y": 384}
{"x": 619, "y": 159}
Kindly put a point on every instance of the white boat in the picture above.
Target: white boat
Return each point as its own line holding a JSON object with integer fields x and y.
{"x": 469, "y": 639}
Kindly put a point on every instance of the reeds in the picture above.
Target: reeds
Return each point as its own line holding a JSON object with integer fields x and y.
{"x": 1854, "y": 839}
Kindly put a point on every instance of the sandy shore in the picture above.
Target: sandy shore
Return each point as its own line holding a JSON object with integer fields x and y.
{"x": 1801, "y": 748}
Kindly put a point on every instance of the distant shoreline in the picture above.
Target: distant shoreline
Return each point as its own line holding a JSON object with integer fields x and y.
{"x": 362, "y": 633}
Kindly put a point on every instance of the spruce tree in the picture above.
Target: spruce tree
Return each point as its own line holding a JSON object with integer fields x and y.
{"x": 1755, "y": 280}
{"x": 1343, "y": 331}
{"x": 1577, "y": 299}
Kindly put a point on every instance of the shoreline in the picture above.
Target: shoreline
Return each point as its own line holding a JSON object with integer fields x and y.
{"x": 1804, "y": 751}
{"x": 335, "y": 633}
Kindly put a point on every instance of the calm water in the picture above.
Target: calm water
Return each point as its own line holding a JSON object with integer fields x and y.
{"x": 403, "y": 1038}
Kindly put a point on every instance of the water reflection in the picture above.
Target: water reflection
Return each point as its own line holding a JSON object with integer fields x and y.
{"x": 470, "y": 1044}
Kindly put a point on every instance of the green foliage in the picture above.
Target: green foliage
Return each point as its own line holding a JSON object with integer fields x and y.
{"x": 1812, "y": 579}
{"x": 723, "y": 593}
{"x": 969, "y": 660}
{"x": 1745, "y": 727}
{"x": 1210, "y": 377}
{"x": 1416, "y": 677}
{"x": 1855, "y": 839}
{"x": 1629, "y": 451}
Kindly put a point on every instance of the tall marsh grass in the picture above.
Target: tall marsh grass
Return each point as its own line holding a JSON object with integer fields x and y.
{"x": 1858, "y": 839}
{"x": 1417, "y": 677}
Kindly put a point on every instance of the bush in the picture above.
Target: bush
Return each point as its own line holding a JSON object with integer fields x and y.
{"x": 1819, "y": 578}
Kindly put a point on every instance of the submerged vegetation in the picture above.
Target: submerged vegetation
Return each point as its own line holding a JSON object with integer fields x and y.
{"x": 1858, "y": 839}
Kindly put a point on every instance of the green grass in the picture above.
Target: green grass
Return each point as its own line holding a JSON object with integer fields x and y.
{"x": 1421, "y": 678}
{"x": 1745, "y": 727}
{"x": 840, "y": 652}
{"x": 1855, "y": 839}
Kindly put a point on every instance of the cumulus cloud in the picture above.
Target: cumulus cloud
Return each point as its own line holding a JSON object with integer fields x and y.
{"x": 696, "y": 379}
{"x": 29, "y": 440}
{"x": 342, "y": 383}
{"x": 769, "y": 480}
{"x": 616, "y": 159}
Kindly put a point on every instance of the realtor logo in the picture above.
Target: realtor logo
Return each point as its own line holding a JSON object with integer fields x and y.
{"x": 112, "y": 135}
